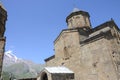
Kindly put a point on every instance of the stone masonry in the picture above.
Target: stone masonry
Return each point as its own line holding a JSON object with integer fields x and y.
{"x": 91, "y": 53}
{"x": 3, "y": 18}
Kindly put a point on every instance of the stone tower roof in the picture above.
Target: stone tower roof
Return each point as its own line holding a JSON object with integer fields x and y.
{"x": 1, "y": 5}
{"x": 75, "y": 10}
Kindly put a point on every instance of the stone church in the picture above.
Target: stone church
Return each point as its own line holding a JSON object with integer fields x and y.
{"x": 3, "y": 18}
{"x": 83, "y": 52}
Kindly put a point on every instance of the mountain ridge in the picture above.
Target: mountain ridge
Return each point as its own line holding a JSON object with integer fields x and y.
{"x": 19, "y": 67}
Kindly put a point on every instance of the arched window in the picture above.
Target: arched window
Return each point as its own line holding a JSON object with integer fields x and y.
{"x": 70, "y": 23}
{"x": 66, "y": 53}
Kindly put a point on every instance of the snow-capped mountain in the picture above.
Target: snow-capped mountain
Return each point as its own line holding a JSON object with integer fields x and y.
{"x": 10, "y": 55}
{"x": 19, "y": 67}
{"x": 10, "y": 58}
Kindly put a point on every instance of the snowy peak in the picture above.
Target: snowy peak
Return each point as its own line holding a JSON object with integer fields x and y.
{"x": 9, "y": 54}
{"x": 10, "y": 58}
{"x": 20, "y": 68}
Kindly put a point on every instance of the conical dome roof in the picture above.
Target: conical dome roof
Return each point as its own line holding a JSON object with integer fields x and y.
{"x": 76, "y": 10}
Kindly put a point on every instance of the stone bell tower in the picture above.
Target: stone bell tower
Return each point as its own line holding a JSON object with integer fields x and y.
{"x": 78, "y": 19}
{"x": 3, "y": 18}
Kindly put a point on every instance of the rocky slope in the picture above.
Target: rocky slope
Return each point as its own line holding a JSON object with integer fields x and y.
{"x": 20, "y": 68}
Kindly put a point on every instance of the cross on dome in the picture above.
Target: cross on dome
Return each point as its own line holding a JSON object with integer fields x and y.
{"x": 76, "y": 10}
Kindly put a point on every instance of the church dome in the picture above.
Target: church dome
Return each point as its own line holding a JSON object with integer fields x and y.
{"x": 78, "y": 19}
{"x": 77, "y": 11}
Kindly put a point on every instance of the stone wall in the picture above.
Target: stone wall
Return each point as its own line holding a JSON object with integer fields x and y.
{"x": 62, "y": 76}
{"x": 78, "y": 21}
{"x": 66, "y": 46}
{"x": 96, "y": 60}
{"x": 115, "y": 50}
{"x": 93, "y": 62}
{"x": 92, "y": 54}
{"x": 2, "y": 46}
{"x": 89, "y": 62}
{"x": 3, "y": 18}
{"x": 51, "y": 62}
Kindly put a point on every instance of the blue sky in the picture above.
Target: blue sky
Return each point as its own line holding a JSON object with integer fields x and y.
{"x": 33, "y": 25}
